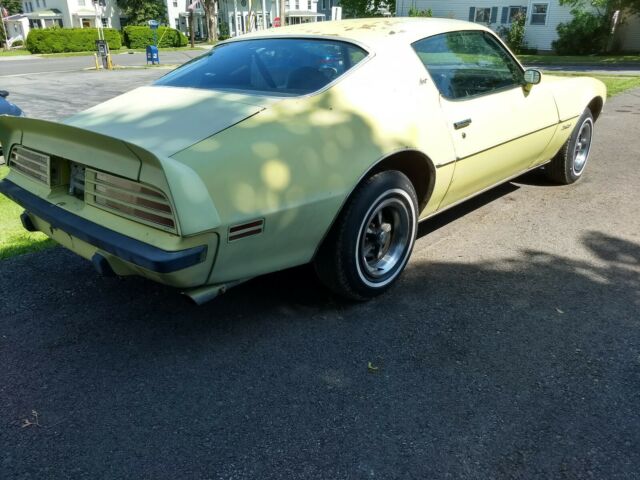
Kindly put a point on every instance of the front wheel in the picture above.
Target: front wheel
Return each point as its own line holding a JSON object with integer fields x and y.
{"x": 372, "y": 239}
{"x": 568, "y": 165}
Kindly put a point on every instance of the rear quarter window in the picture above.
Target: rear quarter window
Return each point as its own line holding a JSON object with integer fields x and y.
{"x": 286, "y": 67}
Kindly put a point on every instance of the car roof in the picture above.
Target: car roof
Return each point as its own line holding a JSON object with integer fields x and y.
{"x": 371, "y": 32}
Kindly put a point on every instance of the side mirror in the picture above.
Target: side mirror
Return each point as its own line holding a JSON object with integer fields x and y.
{"x": 4, "y": 93}
{"x": 532, "y": 76}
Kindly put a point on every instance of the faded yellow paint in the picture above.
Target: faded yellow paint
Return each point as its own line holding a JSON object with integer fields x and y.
{"x": 294, "y": 161}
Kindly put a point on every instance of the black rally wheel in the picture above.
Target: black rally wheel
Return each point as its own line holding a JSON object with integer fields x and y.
{"x": 372, "y": 239}
{"x": 569, "y": 163}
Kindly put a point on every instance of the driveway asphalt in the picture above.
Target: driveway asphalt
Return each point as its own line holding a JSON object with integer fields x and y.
{"x": 510, "y": 349}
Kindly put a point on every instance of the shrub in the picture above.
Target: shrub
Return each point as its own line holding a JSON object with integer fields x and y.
{"x": 56, "y": 40}
{"x": 514, "y": 34}
{"x": 414, "y": 12}
{"x": 136, "y": 36}
{"x": 17, "y": 43}
{"x": 586, "y": 33}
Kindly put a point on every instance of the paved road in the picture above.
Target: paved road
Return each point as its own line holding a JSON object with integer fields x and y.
{"x": 509, "y": 350}
{"x": 10, "y": 66}
{"x": 54, "y": 96}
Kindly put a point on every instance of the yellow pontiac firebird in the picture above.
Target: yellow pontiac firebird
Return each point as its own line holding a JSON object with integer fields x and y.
{"x": 324, "y": 143}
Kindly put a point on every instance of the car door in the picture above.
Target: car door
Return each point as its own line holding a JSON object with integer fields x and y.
{"x": 498, "y": 125}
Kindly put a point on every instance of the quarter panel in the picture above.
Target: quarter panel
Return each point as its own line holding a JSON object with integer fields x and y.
{"x": 295, "y": 163}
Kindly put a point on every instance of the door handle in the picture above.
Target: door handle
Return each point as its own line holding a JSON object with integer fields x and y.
{"x": 462, "y": 124}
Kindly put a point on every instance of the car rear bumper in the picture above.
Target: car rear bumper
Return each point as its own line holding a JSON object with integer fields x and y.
{"x": 143, "y": 255}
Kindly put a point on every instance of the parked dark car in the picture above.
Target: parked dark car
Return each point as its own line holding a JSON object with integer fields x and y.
{"x": 8, "y": 108}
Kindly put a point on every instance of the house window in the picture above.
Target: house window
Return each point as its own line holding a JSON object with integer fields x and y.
{"x": 324, "y": 4}
{"x": 483, "y": 15}
{"x": 44, "y": 3}
{"x": 309, "y": 5}
{"x": 105, "y": 22}
{"x": 81, "y": 3}
{"x": 37, "y": 3}
{"x": 175, "y": 4}
{"x": 539, "y": 13}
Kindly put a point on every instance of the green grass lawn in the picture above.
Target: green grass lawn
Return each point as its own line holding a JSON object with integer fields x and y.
{"x": 616, "y": 84}
{"x": 14, "y": 53}
{"x": 14, "y": 239}
{"x": 600, "y": 60}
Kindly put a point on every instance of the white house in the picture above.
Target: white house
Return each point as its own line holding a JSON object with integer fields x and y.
{"x": 241, "y": 16}
{"x": 542, "y": 17}
{"x": 178, "y": 17}
{"x": 62, "y": 13}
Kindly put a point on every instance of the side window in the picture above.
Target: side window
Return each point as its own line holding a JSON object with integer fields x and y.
{"x": 465, "y": 64}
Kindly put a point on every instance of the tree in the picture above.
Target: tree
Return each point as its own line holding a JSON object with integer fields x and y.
{"x": 139, "y": 12}
{"x": 589, "y": 30}
{"x": 514, "y": 34}
{"x": 605, "y": 7}
{"x": 367, "y": 8}
{"x": 12, "y": 7}
{"x": 210, "y": 8}
{"x": 414, "y": 12}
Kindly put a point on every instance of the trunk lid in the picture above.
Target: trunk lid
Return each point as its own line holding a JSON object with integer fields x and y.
{"x": 166, "y": 120}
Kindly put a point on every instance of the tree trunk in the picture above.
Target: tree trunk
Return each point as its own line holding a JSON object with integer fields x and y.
{"x": 211, "y": 18}
{"x": 192, "y": 27}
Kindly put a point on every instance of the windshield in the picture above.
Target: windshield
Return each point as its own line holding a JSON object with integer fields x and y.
{"x": 273, "y": 66}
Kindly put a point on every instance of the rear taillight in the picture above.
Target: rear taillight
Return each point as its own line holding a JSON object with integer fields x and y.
{"x": 35, "y": 165}
{"x": 129, "y": 199}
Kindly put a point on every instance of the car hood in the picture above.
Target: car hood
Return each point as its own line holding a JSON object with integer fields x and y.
{"x": 166, "y": 120}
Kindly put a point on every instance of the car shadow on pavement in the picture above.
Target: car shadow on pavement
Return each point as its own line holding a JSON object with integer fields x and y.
{"x": 519, "y": 368}
{"x": 448, "y": 216}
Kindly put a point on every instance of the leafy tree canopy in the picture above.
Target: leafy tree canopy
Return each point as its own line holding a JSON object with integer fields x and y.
{"x": 13, "y": 6}
{"x": 605, "y": 7}
{"x": 367, "y": 8}
{"x": 139, "y": 12}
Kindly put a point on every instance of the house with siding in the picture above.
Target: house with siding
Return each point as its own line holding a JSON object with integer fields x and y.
{"x": 61, "y": 13}
{"x": 542, "y": 18}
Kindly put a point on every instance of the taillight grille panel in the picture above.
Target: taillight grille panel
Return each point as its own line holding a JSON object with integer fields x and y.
{"x": 33, "y": 164}
{"x": 129, "y": 199}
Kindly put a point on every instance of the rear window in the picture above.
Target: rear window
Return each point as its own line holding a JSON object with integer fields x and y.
{"x": 272, "y": 66}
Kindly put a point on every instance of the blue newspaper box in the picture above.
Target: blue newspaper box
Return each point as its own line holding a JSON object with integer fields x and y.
{"x": 152, "y": 55}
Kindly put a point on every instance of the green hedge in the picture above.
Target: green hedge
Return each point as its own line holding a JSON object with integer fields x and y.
{"x": 56, "y": 40}
{"x": 140, "y": 37}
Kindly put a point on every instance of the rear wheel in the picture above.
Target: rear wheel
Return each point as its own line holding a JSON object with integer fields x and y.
{"x": 372, "y": 239}
{"x": 568, "y": 165}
